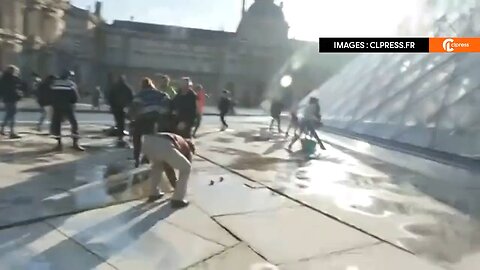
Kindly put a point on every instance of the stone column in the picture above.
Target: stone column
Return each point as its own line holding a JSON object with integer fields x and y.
{"x": 10, "y": 51}
{"x": 2, "y": 15}
{"x": 6, "y": 16}
{"x": 17, "y": 18}
{"x": 54, "y": 24}
{"x": 33, "y": 19}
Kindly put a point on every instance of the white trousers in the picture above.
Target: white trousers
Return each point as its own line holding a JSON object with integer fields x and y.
{"x": 160, "y": 150}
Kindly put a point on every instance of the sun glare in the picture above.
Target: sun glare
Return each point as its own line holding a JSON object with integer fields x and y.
{"x": 286, "y": 81}
{"x": 310, "y": 19}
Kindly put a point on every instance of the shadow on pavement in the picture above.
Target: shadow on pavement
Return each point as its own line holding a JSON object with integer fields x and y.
{"x": 125, "y": 233}
{"x": 246, "y": 160}
{"x": 86, "y": 183}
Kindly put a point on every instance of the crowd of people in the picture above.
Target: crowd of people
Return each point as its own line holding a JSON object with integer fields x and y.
{"x": 162, "y": 120}
{"x": 307, "y": 125}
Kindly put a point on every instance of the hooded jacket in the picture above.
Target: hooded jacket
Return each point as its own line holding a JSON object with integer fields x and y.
{"x": 11, "y": 88}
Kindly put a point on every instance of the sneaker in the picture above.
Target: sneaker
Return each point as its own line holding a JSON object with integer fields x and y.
{"x": 179, "y": 204}
{"x": 78, "y": 148}
{"x": 15, "y": 136}
{"x": 156, "y": 197}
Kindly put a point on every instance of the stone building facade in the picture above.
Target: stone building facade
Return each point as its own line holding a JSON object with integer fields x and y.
{"x": 29, "y": 30}
{"x": 52, "y": 35}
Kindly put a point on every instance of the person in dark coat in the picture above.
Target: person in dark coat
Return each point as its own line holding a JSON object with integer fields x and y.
{"x": 119, "y": 98}
{"x": 184, "y": 109}
{"x": 96, "y": 97}
{"x": 224, "y": 106}
{"x": 64, "y": 96}
{"x": 12, "y": 89}
{"x": 43, "y": 92}
{"x": 275, "y": 112}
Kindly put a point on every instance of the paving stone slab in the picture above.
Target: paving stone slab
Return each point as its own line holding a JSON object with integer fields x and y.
{"x": 239, "y": 257}
{"x": 233, "y": 196}
{"x": 145, "y": 236}
{"x": 40, "y": 247}
{"x": 292, "y": 234}
{"x": 376, "y": 257}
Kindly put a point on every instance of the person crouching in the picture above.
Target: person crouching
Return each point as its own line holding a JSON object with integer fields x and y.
{"x": 168, "y": 151}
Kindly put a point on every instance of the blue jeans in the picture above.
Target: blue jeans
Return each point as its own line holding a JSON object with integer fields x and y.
{"x": 10, "y": 112}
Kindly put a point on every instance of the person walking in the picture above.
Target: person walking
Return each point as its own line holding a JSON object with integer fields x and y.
{"x": 294, "y": 122}
{"x": 224, "y": 106}
{"x": 96, "y": 97}
{"x": 311, "y": 119}
{"x": 148, "y": 104}
{"x": 184, "y": 109}
{"x": 119, "y": 98}
{"x": 64, "y": 96}
{"x": 201, "y": 101}
{"x": 43, "y": 92}
{"x": 275, "y": 112}
{"x": 168, "y": 151}
{"x": 12, "y": 89}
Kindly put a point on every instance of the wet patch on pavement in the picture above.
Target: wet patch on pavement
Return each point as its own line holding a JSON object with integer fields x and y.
{"x": 245, "y": 160}
{"x": 86, "y": 183}
{"x": 425, "y": 216}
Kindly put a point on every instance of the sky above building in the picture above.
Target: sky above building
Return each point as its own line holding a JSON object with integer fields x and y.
{"x": 308, "y": 19}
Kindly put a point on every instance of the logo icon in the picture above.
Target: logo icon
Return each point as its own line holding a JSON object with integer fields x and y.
{"x": 447, "y": 45}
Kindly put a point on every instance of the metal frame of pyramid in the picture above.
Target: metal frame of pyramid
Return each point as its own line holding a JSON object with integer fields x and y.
{"x": 427, "y": 100}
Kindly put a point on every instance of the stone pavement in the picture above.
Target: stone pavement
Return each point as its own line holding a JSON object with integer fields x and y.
{"x": 417, "y": 211}
{"x": 86, "y": 210}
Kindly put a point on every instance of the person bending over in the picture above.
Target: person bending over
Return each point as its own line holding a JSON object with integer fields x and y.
{"x": 168, "y": 151}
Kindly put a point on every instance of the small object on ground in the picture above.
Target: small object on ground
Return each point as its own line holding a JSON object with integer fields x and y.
{"x": 179, "y": 204}
{"x": 155, "y": 197}
{"x": 15, "y": 136}
{"x": 212, "y": 182}
{"x": 309, "y": 146}
{"x": 221, "y": 179}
